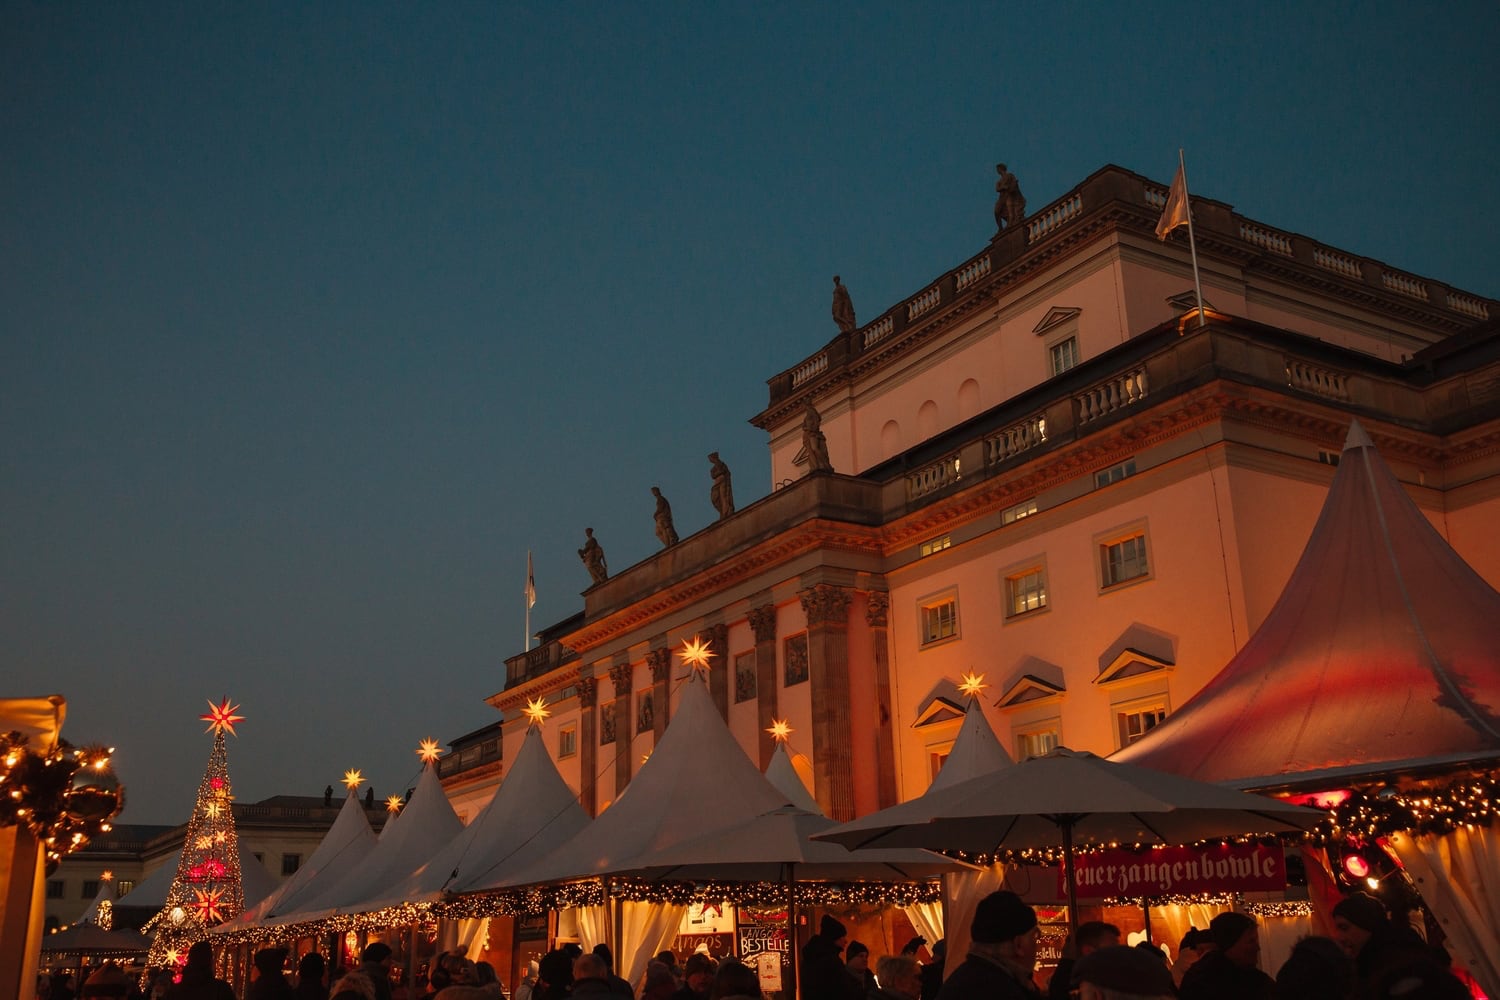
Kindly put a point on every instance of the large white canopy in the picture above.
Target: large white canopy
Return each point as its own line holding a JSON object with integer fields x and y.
{"x": 256, "y": 882}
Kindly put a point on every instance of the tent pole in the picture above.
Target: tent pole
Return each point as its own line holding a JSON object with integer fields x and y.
{"x": 791, "y": 919}
{"x": 1146, "y": 909}
{"x": 1067, "y": 832}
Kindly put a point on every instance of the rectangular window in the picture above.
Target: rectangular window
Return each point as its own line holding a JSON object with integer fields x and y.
{"x": 935, "y": 759}
{"x": 744, "y": 676}
{"x": 1114, "y": 473}
{"x": 1034, "y": 744}
{"x": 567, "y": 741}
{"x": 935, "y": 545}
{"x": 1328, "y": 457}
{"x": 1064, "y": 355}
{"x": 1025, "y": 591}
{"x": 939, "y": 620}
{"x": 56, "y": 888}
{"x": 90, "y": 888}
{"x": 1138, "y": 722}
{"x": 290, "y": 863}
{"x": 1123, "y": 560}
{"x": 1015, "y": 512}
{"x": 794, "y": 649}
{"x": 123, "y": 887}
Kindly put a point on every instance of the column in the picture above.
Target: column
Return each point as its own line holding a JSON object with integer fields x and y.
{"x": 718, "y": 667}
{"x": 660, "y": 662}
{"x": 588, "y": 745}
{"x": 827, "y": 610}
{"x": 877, "y": 617}
{"x": 763, "y": 624}
{"x": 624, "y": 725}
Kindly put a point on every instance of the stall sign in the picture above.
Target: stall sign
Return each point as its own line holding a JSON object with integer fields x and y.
{"x": 1170, "y": 871}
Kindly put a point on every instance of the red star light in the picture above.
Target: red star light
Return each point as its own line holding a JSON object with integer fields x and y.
{"x": 208, "y": 905}
{"x": 221, "y": 717}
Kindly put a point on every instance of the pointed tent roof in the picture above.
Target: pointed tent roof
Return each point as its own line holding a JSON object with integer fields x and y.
{"x": 256, "y": 882}
{"x": 343, "y": 849}
{"x": 532, "y": 812}
{"x": 976, "y": 750}
{"x": 698, "y": 778}
{"x": 425, "y": 825}
{"x": 783, "y": 776}
{"x": 1382, "y": 653}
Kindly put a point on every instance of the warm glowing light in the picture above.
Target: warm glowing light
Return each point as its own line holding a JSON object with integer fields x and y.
{"x": 213, "y": 810}
{"x": 1356, "y": 865}
{"x": 352, "y": 779}
{"x": 108, "y": 876}
{"x": 696, "y": 654}
{"x": 428, "y": 750}
{"x": 780, "y": 731}
{"x": 221, "y": 717}
{"x": 394, "y": 804}
{"x": 972, "y": 684}
{"x": 203, "y": 842}
{"x": 208, "y": 905}
{"x": 536, "y": 710}
{"x": 220, "y": 837}
{"x": 1373, "y": 883}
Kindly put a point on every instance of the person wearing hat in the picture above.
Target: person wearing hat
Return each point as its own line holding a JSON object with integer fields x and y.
{"x": 1230, "y": 971}
{"x": 375, "y": 963}
{"x": 106, "y": 981}
{"x": 1368, "y": 935}
{"x": 269, "y": 983}
{"x": 1089, "y": 938}
{"x": 1002, "y": 952}
{"x": 1118, "y": 971}
{"x": 697, "y": 977}
{"x": 198, "y": 981}
{"x": 857, "y": 964}
{"x": 821, "y": 973}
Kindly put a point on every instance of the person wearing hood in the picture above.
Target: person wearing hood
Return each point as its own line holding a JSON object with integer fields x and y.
{"x": 822, "y": 973}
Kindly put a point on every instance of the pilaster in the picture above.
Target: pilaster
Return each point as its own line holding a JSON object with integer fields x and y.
{"x": 763, "y": 625}
{"x": 588, "y": 744}
{"x": 877, "y": 617}
{"x": 718, "y": 667}
{"x": 624, "y": 710}
{"x": 827, "y": 610}
{"x": 660, "y": 662}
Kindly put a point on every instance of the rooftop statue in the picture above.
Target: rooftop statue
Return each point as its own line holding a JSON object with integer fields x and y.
{"x": 1010, "y": 206}
{"x": 721, "y": 494}
{"x": 843, "y": 306}
{"x": 664, "y": 529}
{"x": 592, "y": 555}
{"x": 814, "y": 444}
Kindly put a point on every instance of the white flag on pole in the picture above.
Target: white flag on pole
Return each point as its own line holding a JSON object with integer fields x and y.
{"x": 530, "y": 583}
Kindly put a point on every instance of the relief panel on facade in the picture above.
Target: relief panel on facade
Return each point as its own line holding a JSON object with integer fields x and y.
{"x": 645, "y": 712}
{"x": 744, "y": 676}
{"x": 794, "y": 652}
{"x": 607, "y": 723}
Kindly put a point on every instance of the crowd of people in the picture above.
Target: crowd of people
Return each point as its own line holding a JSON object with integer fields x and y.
{"x": 1369, "y": 957}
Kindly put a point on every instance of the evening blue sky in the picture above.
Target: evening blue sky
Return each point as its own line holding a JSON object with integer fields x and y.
{"x": 315, "y": 317}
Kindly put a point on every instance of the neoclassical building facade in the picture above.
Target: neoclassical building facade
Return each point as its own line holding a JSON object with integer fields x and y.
{"x": 1048, "y": 471}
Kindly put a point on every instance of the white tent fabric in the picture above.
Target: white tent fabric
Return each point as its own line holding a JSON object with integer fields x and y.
{"x": 343, "y": 849}
{"x": 976, "y": 750}
{"x": 423, "y": 827}
{"x": 1458, "y": 875}
{"x": 697, "y": 779}
{"x": 151, "y": 892}
{"x": 531, "y": 813}
{"x": 784, "y": 778}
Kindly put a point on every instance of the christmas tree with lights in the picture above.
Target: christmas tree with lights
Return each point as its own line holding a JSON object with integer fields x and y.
{"x": 206, "y": 890}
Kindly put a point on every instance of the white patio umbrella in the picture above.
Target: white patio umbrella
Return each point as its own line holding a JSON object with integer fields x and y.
{"x": 1066, "y": 799}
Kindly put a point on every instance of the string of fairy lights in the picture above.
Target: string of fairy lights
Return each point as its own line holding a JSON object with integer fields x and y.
{"x": 64, "y": 795}
{"x": 1354, "y": 816}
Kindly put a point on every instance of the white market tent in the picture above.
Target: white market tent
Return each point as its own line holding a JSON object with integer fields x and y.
{"x": 151, "y": 892}
{"x": 343, "y": 849}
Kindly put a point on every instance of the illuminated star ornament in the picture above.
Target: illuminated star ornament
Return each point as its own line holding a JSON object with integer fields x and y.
{"x": 972, "y": 684}
{"x": 536, "y": 710}
{"x": 208, "y": 905}
{"x": 221, "y": 717}
{"x": 393, "y": 804}
{"x": 352, "y": 779}
{"x": 428, "y": 750}
{"x": 696, "y": 654}
{"x": 780, "y": 731}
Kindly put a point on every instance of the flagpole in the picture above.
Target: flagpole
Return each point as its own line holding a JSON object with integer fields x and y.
{"x": 526, "y": 598}
{"x": 1192, "y": 242}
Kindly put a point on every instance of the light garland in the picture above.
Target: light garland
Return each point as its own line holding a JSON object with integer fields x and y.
{"x": 65, "y": 796}
{"x": 1434, "y": 809}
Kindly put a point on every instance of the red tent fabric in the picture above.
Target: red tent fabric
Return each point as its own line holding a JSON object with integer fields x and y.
{"x": 1383, "y": 652}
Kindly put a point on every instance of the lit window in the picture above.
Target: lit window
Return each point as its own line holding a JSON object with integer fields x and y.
{"x": 939, "y": 620}
{"x": 1114, "y": 473}
{"x": 1026, "y": 591}
{"x": 1015, "y": 512}
{"x": 1123, "y": 560}
{"x": 1034, "y": 744}
{"x": 290, "y": 863}
{"x": 1064, "y": 355}
{"x": 935, "y": 545}
{"x": 567, "y": 741}
{"x": 123, "y": 887}
{"x": 935, "y": 759}
{"x": 1137, "y": 723}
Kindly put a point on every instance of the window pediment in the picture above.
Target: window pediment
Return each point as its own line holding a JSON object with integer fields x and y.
{"x": 1029, "y": 689}
{"x": 1132, "y": 665}
{"x": 1056, "y": 316}
{"x": 938, "y": 711}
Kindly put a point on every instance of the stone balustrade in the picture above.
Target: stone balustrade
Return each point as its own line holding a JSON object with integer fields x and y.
{"x": 1404, "y": 284}
{"x": 973, "y": 271}
{"x": 1011, "y": 441}
{"x": 1468, "y": 305}
{"x": 1053, "y": 217}
{"x": 926, "y": 301}
{"x": 879, "y": 330}
{"x": 1339, "y": 263}
{"x": 932, "y": 477}
{"x": 810, "y": 369}
{"x": 1113, "y": 394}
{"x": 1266, "y": 239}
{"x": 1321, "y": 381}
